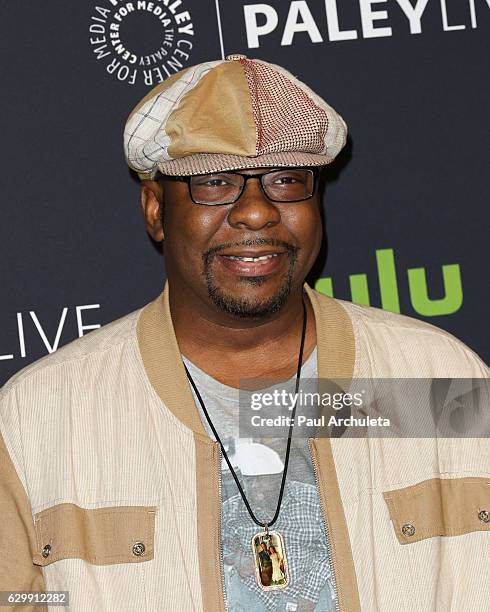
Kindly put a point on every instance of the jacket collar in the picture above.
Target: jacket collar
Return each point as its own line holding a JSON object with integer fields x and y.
{"x": 165, "y": 370}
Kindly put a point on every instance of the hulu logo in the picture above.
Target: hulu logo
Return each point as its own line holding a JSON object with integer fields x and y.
{"x": 417, "y": 286}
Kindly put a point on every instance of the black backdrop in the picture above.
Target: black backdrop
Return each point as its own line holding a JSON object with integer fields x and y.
{"x": 410, "y": 191}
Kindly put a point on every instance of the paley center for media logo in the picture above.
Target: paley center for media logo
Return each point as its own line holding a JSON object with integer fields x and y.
{"x": 141, "y": 41}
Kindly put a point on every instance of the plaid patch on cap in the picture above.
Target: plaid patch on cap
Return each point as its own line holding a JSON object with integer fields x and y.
{"x": 228, "y": 115}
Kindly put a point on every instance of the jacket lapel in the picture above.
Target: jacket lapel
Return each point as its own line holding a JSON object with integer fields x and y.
{"x": 336, "y": 360}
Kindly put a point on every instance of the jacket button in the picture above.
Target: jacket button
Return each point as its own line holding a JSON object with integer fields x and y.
{"x": 138, "y": 549}
{"x": 408, "y": 530}
{"x": 484, "y": 516}
{"x": 46, "y": 551}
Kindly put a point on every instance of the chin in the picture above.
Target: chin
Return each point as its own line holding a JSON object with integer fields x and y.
{"x": 247, "y": 303}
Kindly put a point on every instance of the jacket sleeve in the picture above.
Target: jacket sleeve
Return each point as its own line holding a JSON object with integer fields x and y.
{"x": 17, "y": 535}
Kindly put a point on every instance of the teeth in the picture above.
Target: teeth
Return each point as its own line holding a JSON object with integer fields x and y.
{"x": 252, "y": 259}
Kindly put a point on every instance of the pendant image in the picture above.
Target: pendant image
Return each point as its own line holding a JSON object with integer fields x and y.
{"x": 271, "y": 566}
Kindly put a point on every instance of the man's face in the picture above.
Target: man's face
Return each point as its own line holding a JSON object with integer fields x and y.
{"x": 205, "y": 246}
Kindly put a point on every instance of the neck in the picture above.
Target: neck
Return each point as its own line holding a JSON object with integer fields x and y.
{"x": 229, "y": 347}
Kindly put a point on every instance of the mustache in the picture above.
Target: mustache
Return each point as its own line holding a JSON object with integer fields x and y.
{"x": 257, "y": 241}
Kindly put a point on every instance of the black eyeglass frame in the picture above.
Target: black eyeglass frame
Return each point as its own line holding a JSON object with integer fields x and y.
{"x": 315, "y": 170}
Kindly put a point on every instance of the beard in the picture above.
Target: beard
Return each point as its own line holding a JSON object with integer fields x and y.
{"x": 244, "y": 307}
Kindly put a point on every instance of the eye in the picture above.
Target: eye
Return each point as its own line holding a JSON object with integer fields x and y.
{"x": 215, "y": 182}
{"x": 285, "y": 180}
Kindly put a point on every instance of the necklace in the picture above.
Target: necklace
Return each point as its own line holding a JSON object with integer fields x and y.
{"x": 268, "y": 549}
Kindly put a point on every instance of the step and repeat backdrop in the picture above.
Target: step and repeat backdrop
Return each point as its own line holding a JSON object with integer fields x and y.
{"x": 406, "y": 206}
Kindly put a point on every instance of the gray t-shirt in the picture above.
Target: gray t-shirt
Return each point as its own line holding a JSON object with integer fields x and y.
{"x": 258, "y": 462}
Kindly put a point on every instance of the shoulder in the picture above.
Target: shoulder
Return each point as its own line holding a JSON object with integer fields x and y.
{"x": 407, "y": 346}
{"x": 78, "y": 355}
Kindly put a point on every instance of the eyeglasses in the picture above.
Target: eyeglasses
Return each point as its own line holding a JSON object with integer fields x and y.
{"x": 220, "y": 188}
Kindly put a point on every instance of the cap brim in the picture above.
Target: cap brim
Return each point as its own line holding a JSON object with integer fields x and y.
{"x": 203, "y": 163}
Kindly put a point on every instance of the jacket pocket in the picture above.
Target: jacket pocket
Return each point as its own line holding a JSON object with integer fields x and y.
{"x": 101, "y": 536}
{"x": 439, "y": 507}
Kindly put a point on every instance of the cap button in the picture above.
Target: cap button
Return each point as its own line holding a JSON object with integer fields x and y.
{"x": 235, "y": 56}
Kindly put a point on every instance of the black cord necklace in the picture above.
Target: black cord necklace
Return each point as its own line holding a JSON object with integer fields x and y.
{"x": 272, "y": 540}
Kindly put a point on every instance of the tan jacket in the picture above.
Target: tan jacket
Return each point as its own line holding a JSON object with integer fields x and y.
{"x": 109, "y": 486}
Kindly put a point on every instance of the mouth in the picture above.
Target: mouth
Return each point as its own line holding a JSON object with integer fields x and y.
{"x": 253, "y": 262}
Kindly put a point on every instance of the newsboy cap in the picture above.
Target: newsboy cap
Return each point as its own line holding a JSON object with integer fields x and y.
{"x": 228, "y": 115}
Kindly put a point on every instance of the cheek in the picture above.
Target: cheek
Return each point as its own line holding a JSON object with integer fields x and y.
{"x": 190, "y": 232}
{"x": 188, "y": 223}
{"x": 305, "y": 225}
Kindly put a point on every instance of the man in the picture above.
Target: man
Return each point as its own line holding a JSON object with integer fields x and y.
{"x": 114, "y": 484}
{"x": 265, "y": 565}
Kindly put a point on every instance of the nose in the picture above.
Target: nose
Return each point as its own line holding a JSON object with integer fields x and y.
{"x": 253, "y": 210}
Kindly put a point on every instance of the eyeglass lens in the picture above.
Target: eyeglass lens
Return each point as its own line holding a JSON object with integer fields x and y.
{"x": 288, "y": 185}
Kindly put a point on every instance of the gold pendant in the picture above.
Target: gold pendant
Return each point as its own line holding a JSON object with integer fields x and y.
{"x": 271, "y": 566}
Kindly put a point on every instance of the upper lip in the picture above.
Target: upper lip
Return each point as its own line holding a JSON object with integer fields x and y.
{"x": 254, "y": 252}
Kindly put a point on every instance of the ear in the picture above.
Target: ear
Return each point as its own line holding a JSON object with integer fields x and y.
{"x": 151, "y": 199}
